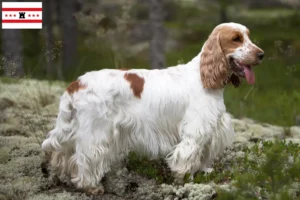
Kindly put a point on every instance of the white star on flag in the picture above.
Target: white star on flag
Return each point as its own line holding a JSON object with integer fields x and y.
{"x": 22, "y": 15}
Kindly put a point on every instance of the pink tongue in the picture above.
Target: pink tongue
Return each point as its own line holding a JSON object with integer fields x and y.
{"x": 249, "y": 75}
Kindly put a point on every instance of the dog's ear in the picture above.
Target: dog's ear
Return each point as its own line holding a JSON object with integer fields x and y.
{"x": 235, "y": 80}
{"x": 213, "y": 66}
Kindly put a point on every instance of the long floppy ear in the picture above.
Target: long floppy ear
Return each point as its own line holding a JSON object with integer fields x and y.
{"x": 235, "y": 80}
{"x": 213, "y": 64}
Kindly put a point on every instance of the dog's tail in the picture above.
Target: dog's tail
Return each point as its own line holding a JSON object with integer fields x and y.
{"x": 63, "y": 134}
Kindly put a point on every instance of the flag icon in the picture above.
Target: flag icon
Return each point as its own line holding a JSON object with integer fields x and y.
{"x": 22, "y": 15}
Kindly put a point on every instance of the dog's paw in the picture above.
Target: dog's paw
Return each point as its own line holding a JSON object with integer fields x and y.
{"x": 178, "y": 178}
{"x": 46, "y": 145}
{"x": 95, "y": 191}
{"x": 191, "y": 178}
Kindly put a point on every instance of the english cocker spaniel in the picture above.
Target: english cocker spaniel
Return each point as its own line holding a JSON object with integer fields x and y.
{"x": 177, "y": 112}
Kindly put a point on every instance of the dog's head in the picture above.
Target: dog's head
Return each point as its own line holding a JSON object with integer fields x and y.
{"x": 228, "y": 55}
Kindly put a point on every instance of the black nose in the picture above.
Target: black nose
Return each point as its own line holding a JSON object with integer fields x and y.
{"x": 260, "y": 55}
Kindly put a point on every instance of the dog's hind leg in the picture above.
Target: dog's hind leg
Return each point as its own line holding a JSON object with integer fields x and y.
{"x": 94, "y": 152}
{"x": 60, "y": 141}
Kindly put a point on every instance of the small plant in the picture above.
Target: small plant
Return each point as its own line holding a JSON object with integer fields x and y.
{"x": 156, "y": 169}
{"x": 270, "y": 175}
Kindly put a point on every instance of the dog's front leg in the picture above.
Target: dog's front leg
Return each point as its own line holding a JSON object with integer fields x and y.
{"x": 187, "y": 156}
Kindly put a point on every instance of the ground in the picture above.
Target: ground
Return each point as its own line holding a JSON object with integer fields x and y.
{"x": 263, "y": 163}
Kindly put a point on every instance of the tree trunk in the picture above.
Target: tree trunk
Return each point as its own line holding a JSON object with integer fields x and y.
{"x": 158, "y": 34}
{"x": 12, "y": 53}
{"x": 69, "y": 36}
{"x": 48, "y": 28}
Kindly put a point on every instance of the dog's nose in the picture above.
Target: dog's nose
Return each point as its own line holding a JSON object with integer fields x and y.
{"x": 260, "y": 55}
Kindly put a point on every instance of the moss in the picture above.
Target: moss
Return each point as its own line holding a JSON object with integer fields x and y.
{"x": 20, "y": 187}
{"x": 27, "y": 150}
{"x": 156, "y": 169}
{"x": 21, "y": 166}
{"x": 16, "y": 141}
{"x": 59, "y": 196}
{"x": 13, "y": 129}
{"x": 4, "y": 155}
{"x": 189, "y": 191}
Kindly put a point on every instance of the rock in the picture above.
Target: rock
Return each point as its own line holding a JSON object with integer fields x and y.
{"x": 293, "y": 140}
{"x": 239, "y": 125}
{"x": 265, "y": 131}
{"x": 247, "y": 129}
{"x": 295, "y": 132}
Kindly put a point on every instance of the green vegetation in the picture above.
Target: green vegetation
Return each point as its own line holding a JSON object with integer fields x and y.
{"x": 268, "y": 170}
{"x": 272, "y": 172}
{"x": 155, "y": 169}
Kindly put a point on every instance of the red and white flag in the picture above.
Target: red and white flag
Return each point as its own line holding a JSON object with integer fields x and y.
{"x": 22, "y": 15}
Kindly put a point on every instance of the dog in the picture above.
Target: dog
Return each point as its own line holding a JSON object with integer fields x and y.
{"x": 177, "y": 112}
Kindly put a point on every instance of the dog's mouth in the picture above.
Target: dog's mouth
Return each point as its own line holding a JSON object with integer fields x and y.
{"x": 242, "y": 70}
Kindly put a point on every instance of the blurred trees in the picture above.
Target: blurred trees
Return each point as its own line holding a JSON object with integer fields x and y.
{"x": 12, "y": 53}
{"x": 49, "y": 38}
{"x": 158, "y": 34}
{"x": 223, "y": 8}
{"x": 59, "y": 23}
{"x": 12, "y": 62}
{"x": 124, "y": 35}
{"x": 223, "y": 14}
{"x": 69, "y": 35}
{"x": 293, "y": 3}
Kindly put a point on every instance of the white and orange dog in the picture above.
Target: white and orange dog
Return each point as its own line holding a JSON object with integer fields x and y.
{"x": 177, "y": 112}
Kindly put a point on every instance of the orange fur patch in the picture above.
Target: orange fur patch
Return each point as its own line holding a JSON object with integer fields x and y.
{"x": 75, "y": 86}
{"x": 136, "y": 83}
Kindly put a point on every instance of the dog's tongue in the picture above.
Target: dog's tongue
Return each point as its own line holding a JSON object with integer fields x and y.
{"x": 250, "y": 76}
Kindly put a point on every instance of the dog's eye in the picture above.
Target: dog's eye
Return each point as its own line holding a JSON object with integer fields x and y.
{"x": 237, "y": 39}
